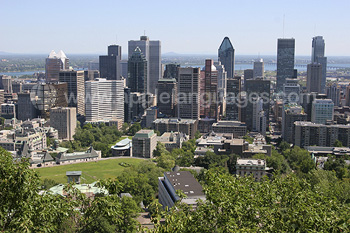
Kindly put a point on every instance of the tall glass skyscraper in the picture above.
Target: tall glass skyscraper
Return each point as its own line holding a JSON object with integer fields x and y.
{"x": 285, "y": 61}
{"x": 110, "y": 65}
{"x": 226, "y": 54}
{"x": 151, "y": 49}
{"x": 137, "y": 72}
{"x": 318, "y": 50}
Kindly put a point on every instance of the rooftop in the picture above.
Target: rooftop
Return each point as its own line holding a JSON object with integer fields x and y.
{"x": 144, "y": 133}
{"x": 251, "y": 162}
{"x": 184, "y": 180}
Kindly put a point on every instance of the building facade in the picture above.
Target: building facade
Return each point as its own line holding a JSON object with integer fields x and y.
{"x": 237, "y": 128}
{"x": 144, "y": 143}
{"x": 110, "y": 65}
{"x": 138, "y": 81}
{"x": 54, "y": 64}
{"x": 233, "y": 109}
{"x": 322, "y": 111}
{"x": 318, "y": 52}
{"x": 255, "y": 167}
{"x": 65, "y": 121}
{"x": 167, "y": 96}
{"x": 314, "y": 78}
{"x": 226, "y": 54}
{"x": 186, "y": 126}
{"x": 285, "y": 61}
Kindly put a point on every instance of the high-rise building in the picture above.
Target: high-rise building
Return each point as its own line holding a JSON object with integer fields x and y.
{"x": 47, "y": 96}
{"x": 171, "y": 71}
{"x": 322, "y": 111}
{"x": 285, "y": 61}
{"x": 233, "y": 110}
{"x": 26, "y": 109}
{"x": 258, "y": 70}
{"x": 144, "y": 143}
{"x": 54, "y": 64}
{"x": 291, "y": 91}
{"x": 76, "y": 89}
{"x": 313, "y": 134}
{"x": 318, "y": 51}
{"x": 90, "y": 75}
{"x": 333, "y": 93}
{"x": 6, "y": 83}
{"x": 314, "y": 78}
{"x": 104, "y": 100}
{"x": 167, "y": 96}
{"x": 291, "y": 114}
{"x": 151, "y": 49}
{"x": 110, "y": 67}
{"x": 8, "y": 111}
{"x": 65, "y": 121}
{"x": 257, "y": 88}
{"x": 189, "y": 93}
{"x": 226, "y": 54}
{"x": 209, "y": 91}
{"x": 137, "y": 72}
{"x": 17, "y": 87}
{"x": 222, "y": 86}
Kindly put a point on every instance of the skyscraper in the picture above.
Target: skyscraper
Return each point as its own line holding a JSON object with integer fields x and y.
{"x": 222, "y": 86}
{"x": 189, "y": 93}
{"x": 54, "y": 64}
{"x": 6, "y": 83}
{"x": 151, "y": 49}
{"x": 209, "y": 91}
{"x": 318, "y": 51}
{"x": 333, "y": 93}
{"x": 171, "y": 70}
{"x": 258, "y": 70}
{"x": 322, "y": 111}
{"x": 285, "y": 61}
{"x": 76, "y": 89}
{"x": 226, "y": 54}
{"x": 167, "y": 96}
{"x": 233, "y": 110}
{"x": 110, "y": 67}
{"x": 65, "y": 121}
{"x": 104, "y": 100}
{"x": 137, "y": 72}
{"x": 314, "y": 77}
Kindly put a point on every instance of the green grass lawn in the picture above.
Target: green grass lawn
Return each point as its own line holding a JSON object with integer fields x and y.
{"x": 91, "y": 171}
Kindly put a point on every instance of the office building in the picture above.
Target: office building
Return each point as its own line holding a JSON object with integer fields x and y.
{"x": 150, "y": 116}
{"x": 291, "y": 114}
{"x": 26, "y": 109}
{"x": 322, "y": 111}
{"x": 167, "y": 96}
{"x": 138, "y": 80}
{"x": 6, "y": 83}
{"x": 186, "y": 126}
{"x": 104, "y": 100}
{"x": 313, "y": 134}
{"x": 171, "y": 71}
{"x": 226, "y": 55}
{"x": 47, "y": 96}
{"x": 255, "y": 167}
{"x": 248, "y": 74}
{"x": 314, "y": 78}
{"x": 256, "y": 88}
{"x": 76, "y": 89}
{"x": 17, "y": 87}
{"x": 258, "y": 70}
{"x": 65, "y": 121}
{"x": 189, "y": 93}
{"x": 222, "y": 86}
{"x": 54, "y": 64}
{"x": 291, "y": 91}
{"x": 209, "y": 91}
{"x": 8, "y": 111}
{"x": 110, "y": 67}
{"x": 144, "y": 143}
{"x": 333, "y": 92}
{"x": 151, "y": 49}
{"x": 285, "y": 61}
{"x": 237, "y": 128}
{"x": 90, "y": 75}
{"x": 233, "y": 108}
{"x": 259, "y": 117}
{"x": 318, "y": 52}
{"x": 179, "y": 180}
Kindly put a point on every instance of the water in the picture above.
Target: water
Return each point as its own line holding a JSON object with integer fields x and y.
{"x": 18, "y": 74}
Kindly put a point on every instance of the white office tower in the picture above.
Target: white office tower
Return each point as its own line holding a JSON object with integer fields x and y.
{"x": 104, "y": 101}
{"x": 222, "y": 85}
{"x": 322, "y": 111}
{"x": 259, "y": 118}
{"x": 151, "y": 49}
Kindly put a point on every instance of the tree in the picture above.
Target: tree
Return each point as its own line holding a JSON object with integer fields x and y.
{"x": 284, "y": 145}
{"x": 165, "y": 161}
{"x": 338, "y": 143}
{"x": 211, "y": 160}
{"x": 197, "y": 134}
{"x": 134, "y": 128}
{"x": 160, "y": 150}
{"x": 299, "y": 159}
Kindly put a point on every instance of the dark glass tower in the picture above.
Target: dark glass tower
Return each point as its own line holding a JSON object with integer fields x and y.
{"x": 137, "y": 72}
{"x": 226, "y": 54}
{"x": 110, "y": 67}
{"x": 285, "y": 61}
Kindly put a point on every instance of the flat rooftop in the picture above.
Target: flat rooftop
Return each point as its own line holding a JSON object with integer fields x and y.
{"x": 185, "y": 181}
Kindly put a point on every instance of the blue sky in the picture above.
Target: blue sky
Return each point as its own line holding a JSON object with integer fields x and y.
{"x": 190, "y": 26}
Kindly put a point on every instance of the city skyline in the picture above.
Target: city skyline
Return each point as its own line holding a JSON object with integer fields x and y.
{"x": 35, "y": 27}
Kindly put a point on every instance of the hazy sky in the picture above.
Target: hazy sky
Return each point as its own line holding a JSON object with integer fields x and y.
{"x": 191, "y": 26}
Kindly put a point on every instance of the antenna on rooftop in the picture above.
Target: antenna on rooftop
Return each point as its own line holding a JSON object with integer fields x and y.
{"x": 283, "y": 24}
